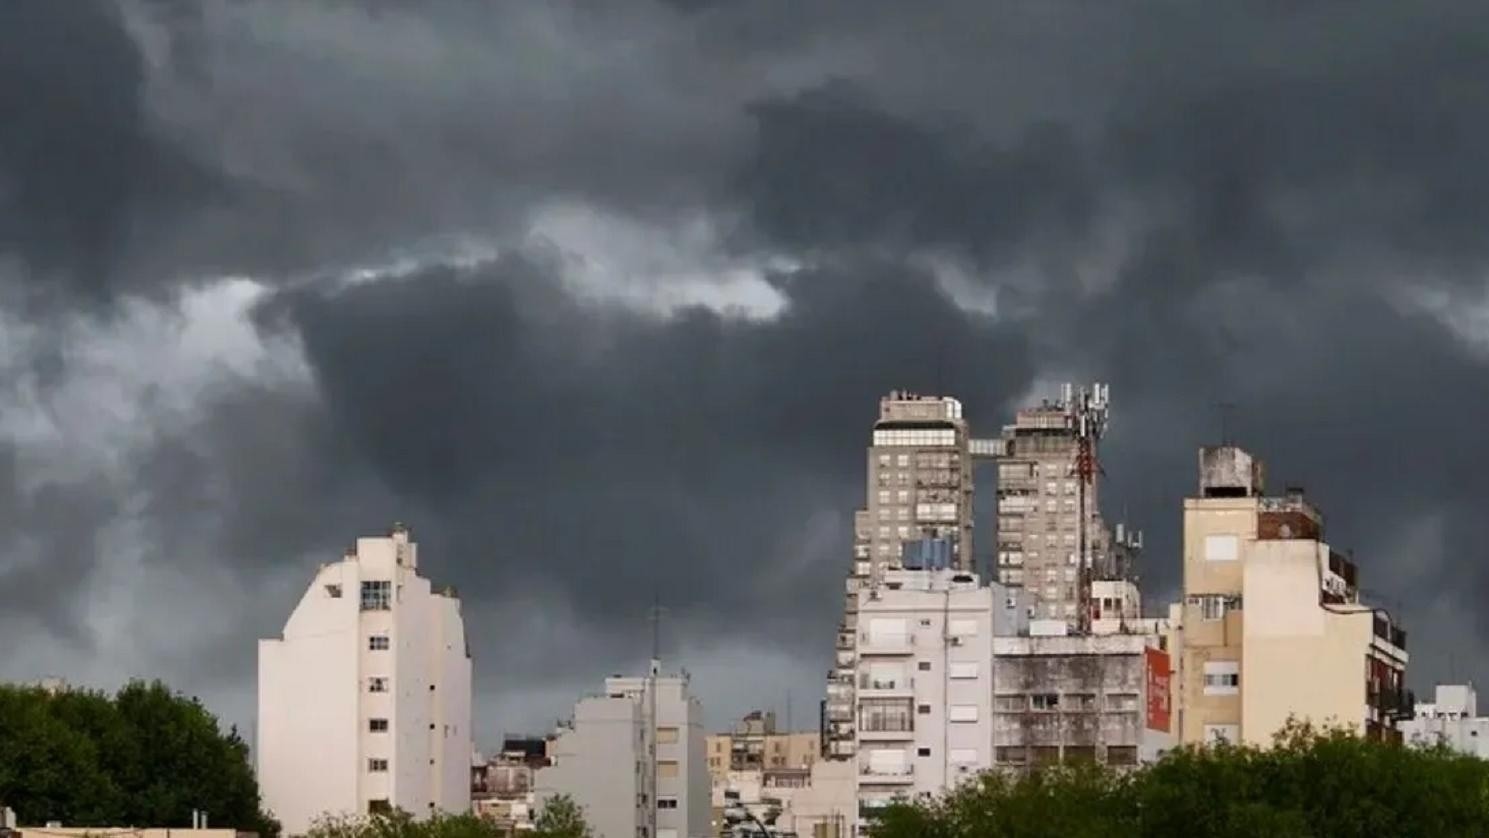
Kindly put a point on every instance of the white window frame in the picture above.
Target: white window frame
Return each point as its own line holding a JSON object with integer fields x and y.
{"x": 962, "y": 670}
{"x": 1222, "y": 677}
{"x": 962, "y": 713}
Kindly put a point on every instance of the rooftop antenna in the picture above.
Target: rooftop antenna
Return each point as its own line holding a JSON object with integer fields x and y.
{"x": 1225, "y": 408}
{"x": 1086, "y": 414}
{"x": 654, "y": 669}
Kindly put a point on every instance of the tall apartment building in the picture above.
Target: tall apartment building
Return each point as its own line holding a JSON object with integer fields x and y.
{"x": 1272, "y": 623}
{"x": 924, "y": 681}
{"x": 631, "y": 779}
{"x": 919, "y": 492}
{"x": 1040, "y": 525}
{"x": 364, "y": 702}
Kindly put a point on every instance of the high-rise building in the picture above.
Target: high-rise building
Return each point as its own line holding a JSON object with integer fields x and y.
{"x": 1272, "y": 623}
{"x": 634, "y": 760}
{"x": 918, "y": 499}
{"x": 1048, "y": 517}
{"x": 364, "y": 702}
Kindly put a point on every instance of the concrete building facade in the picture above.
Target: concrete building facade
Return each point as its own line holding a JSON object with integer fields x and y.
{"x": 923, "y": 673}
{"x": 1272, "y": 626}
{"x": 755, "y": 744}
{"x": 364, "y": 702}
{"x": 1452, "y": 719}
{"x": 1063, "y": 698}
{"x": 1040, "y": 525}
{"x": 632, "y": 778}
{"x": 919, "y": 492}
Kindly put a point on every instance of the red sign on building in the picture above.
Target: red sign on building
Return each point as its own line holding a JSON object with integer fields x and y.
{"x": 1160, "y": 697}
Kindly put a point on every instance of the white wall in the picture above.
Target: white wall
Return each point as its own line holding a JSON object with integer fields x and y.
{"x": 315, "y": 702}
{"x": 598, "y": 762}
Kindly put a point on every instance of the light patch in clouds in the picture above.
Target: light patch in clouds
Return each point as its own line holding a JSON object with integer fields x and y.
{"x": 1464, "y": 312}
{"x": 123, "y": 382}
{"x": 654, "y": 269}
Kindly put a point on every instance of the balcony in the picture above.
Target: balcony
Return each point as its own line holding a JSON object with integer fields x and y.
{"x": 903, "y": 773}
{"x": 886, "y": 644}
{"x": 871, "y": 685}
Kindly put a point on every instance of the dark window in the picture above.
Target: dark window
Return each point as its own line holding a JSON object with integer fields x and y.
{"x": 379, "y": 807}
{"x": 377, "y": 725}
{"x": 377, "y": 595}
{"x": 924, "y": 666}
{"x": 923, "y": 752}
{"x": 378, "y": 642}
{"x": 924, "y": 709}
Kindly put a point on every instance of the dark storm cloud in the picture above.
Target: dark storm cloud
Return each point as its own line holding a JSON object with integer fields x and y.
{"x": 1233, "y": 203}
{"x": 608, "y": 457}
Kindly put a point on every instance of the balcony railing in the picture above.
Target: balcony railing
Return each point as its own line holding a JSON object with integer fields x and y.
{"x": 868, "y": 682}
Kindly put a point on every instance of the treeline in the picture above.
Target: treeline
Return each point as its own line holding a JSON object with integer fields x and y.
{"x": 1311, "y": 784}
{"x": 560, "y": 818}
{"x": 144, "y": 756}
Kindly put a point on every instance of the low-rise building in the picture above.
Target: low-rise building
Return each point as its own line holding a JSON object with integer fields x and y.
{"x": 1451, "y": 719}
{"x": 502, "y": 786}
{"x": 1061, "y": 698}
{"x": 633, "y": 759}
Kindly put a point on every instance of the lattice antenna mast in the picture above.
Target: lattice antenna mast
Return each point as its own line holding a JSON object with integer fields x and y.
{"x": 1086, "y": 415}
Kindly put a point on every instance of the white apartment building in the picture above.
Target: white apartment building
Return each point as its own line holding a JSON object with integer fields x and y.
{"x": 364, "y": 702}
{"x": 1451, "y": 719}
{"x": 604, "y": 760}
{"x": 923, "y": 700}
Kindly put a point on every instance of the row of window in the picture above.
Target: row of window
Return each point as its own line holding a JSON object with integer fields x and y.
{"x": 1056, "y": 702}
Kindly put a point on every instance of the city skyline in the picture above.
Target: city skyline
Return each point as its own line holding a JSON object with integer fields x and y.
{"x": 273, "y": 275}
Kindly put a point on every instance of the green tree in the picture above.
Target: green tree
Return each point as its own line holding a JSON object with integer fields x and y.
{"x": 145, "y": 756}
{"x": 561, "y": 818}
{"x": 1310, "y": 784}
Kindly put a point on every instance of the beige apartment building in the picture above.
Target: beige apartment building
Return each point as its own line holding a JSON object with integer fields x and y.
{"x": 755, "y": 744}
{"x": 1272, "y": 626}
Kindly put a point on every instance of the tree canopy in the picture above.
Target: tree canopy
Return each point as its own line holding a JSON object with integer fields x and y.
{"x": 561, "y": 818}
{"x": 143, "y": 757}
{"x": 1311, "y": 784}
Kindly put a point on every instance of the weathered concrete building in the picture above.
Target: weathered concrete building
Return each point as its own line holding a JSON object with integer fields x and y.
{"x": 1063, "y": 698}
{"x": 1452, "y": 719}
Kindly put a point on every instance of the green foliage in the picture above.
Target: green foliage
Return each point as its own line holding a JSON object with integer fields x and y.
{"x": 1310, "y": 784}
{"x": 561, "y": 818}
{"x": 143, "y": 757}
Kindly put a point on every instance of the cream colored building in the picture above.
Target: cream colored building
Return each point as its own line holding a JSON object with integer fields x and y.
{"x": 1272, "y": 626}
{"x": 364, "y": 701}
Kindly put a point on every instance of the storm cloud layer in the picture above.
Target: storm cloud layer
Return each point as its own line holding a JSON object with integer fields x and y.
{"x": 600, "y": 299}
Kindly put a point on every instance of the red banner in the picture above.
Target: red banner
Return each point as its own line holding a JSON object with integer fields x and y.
{"x": 1160, "y": 696}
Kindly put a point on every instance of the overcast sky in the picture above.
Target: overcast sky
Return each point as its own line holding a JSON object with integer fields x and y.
{"x": 599, "y": 297}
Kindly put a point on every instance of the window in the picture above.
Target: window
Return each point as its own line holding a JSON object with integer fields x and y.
{"x": 902, "y": 460}
{"x": 1222, "y": 677}
{"x": 377, "y": 684}
{"x": 884, "y": 496}
{"x": 922, "y": 752}
{"x": 1009, "y": 755}
{"x": 666, "y": 803}
{"x": 965, "y": 669}
{"x": 923, "y": 666}
{"x": 378, "y": 642}
{"x": 1121, "y": 701}
{"x": 666, "y": 736}
{"x": 333, "y": 591}
{"x": 377, "y": 725}
{"x": 1212, "y": 607}
{"x": 1121, "y": 755}
{"x": 379, "y": 806}
{"x": 1046, "y": 701}
{"x": 666, "y": 768}
{"x": 962, "y": 713}
{"x": 1010, "y": 703}
{"x": 376, "y": 765}
{"x": 377, "y": 595}
{"x": 924, "y": 709}
{"x": 963, "y": 756}
{"x": 1222, "y": 548}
